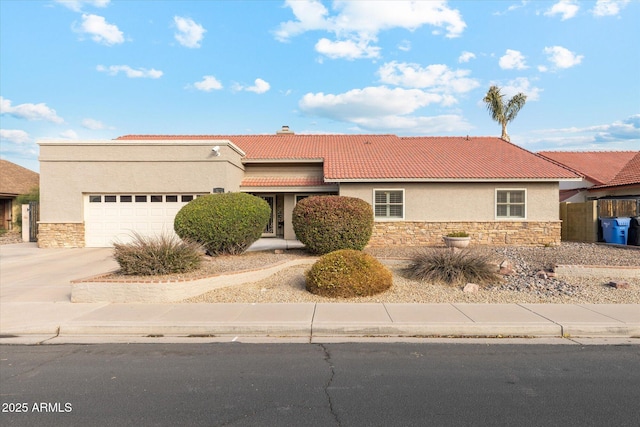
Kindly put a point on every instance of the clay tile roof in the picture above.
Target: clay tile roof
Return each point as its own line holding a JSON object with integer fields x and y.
{"x": 628, "y": 175}
{"x": 598, "y": 167}
{"x": 282, "y": 182}
{"x": 16, "y": 180}
{"x": 384, "y": 157}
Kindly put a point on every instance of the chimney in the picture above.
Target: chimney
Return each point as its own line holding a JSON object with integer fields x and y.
{"x": 285, "y": 131}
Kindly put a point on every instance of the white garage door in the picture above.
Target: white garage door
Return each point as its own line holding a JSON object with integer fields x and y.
{"x": 112, "y": 218}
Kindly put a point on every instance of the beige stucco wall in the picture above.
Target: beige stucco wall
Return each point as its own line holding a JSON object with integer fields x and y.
{"x": 465, "y": 201}
{"x": 631, "y": 190}
{"x": 69, "y": 170}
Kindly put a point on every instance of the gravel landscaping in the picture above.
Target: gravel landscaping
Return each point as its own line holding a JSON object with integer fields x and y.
{"x": 522, "y": 286}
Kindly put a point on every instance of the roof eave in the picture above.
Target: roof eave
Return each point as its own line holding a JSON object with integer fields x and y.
{"x": 291, "y": 189}
{"x": 282, "y": 160}
{"x": 450, "y": 179}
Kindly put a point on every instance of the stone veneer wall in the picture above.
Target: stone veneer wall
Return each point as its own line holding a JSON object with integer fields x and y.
{"x": 65, "y": 235}
{"x": 521, "y": 233}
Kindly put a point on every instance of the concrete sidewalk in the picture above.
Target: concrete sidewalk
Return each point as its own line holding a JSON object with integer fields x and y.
{"x": 34, "y": 301}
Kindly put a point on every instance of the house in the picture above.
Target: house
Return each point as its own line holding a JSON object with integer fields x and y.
{"x": 14, "y": 181}
{"x": 96, "y": 192}
{"x": 610, "y": 188}
{"x": 598, "y": 168}
{"x": 626, "y": 183}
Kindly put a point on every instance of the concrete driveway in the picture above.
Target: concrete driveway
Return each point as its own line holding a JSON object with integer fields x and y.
{"x": 31, "y": 274}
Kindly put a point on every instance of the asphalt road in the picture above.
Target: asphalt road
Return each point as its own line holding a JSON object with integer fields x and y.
{"x": 355, "y": 384}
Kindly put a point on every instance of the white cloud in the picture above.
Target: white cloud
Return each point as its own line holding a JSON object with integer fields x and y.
{"x": 609, "y": 7}
{"x": 356, "y": 24}
{"x": 562, "y": 57}
{"x": 378, "y": 101}
{"x": 15, "y": 135}
{"x": 466, "y": 56}
{"x": 259, "y": 86}
{"x": 347, "y": 49}
{"x": 208, "y": 83}
{"x": 29, "y": 111}
{"x": 76, "y": 5}
{"x": 415, "y": 124}
{"x": 619, "y": 135}
{"x": 511, "y": 8}
{"x": 405, "y": 46}
{"x": 382, "y": 109}
{"x": 566, "y": 8}
{"x": 93, "y": 124}
{"x": 189, "y": 34}
{"x": 69, "y": 134}
{"x": 113, "y": 70}
{"x": 512, "y": 59}
{"x": 100, "y": 30}
{"x": 521, "y": 84}
{"x": 436, "y": 77}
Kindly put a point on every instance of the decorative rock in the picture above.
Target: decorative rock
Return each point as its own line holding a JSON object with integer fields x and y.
{"x": 471, "y": 288}
{"x": 542, "y": 275}
{"x": 619, "y": 284}
{"x": 505, "y": 264}
{"x": 506, "y": 271}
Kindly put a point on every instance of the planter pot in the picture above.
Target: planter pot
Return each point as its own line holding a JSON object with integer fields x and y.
{"x": 457, "y": 242}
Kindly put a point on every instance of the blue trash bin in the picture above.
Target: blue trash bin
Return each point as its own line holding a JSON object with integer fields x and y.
{"x": 615, "y": 230}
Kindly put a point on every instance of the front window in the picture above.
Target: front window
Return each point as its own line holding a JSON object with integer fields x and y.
{"x": 389, "y": 204}
{"x": 510, "y": 203}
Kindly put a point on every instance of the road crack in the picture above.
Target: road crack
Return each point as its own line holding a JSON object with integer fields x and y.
{"x": 327, "y": 358}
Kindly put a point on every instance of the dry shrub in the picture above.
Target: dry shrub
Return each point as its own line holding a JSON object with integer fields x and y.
{"x": 348, "y": 273}
{"x": 164, "y": 254}
{"x": 452, "y": 267}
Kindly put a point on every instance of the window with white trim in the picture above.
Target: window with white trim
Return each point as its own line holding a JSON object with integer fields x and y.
{"x": 388, "y": 204}
{"x": 511, "y": 203}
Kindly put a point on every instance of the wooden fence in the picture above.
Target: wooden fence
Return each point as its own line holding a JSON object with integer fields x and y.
{"x": 580, "y": 220}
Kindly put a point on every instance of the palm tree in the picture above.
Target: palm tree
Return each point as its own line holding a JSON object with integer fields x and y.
{"x": 501, "y": 112}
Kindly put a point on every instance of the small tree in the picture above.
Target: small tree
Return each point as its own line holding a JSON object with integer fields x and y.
{"x": 501, "y": 112}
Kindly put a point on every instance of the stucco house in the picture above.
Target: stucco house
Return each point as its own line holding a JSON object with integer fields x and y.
{"x": 598, "y": 168}
{"x": 96, "y": 192}
{"x": 626, "y": 183}
{"x": 14, "y": 181}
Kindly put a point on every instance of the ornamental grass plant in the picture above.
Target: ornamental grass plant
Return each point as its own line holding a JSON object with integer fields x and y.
{"x": 453, "y": 267}
{"x": 164, "y": 254}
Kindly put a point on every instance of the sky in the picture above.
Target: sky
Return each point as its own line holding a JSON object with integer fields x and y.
{"x": 99, "y": 69}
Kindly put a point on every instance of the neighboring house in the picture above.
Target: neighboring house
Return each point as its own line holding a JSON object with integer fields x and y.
{"x": 626, "y": 183}
{"x": 96, "y": 192}
{"x": 598, "y": 168}
{"x": 14, "y": 181}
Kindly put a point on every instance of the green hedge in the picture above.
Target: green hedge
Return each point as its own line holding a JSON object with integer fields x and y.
{"x": 225, "y": 223}
{"x": 348, "y": 273}
{"x": 328, "y": 223}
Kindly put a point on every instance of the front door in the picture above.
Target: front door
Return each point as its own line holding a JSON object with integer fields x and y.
{"x": 270, "y": 230}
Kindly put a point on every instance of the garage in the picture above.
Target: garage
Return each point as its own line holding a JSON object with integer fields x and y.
{"x": 113, "y": 218}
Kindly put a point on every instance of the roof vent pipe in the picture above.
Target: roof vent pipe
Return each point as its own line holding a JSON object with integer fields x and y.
{"x": 285, "y": 131}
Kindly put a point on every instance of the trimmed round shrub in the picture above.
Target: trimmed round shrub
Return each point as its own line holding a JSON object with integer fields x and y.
{"x": 328, "y": 223}
{"x": 226, "y": 223}
{"x": 348, "y": 273}
{"x": 150, "y": 256}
